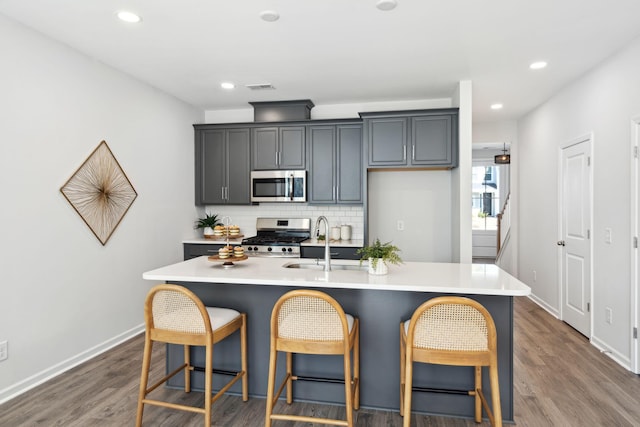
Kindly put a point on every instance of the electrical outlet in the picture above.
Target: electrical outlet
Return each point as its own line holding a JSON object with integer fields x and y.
{"x": 400, "y": 225}
{"x": 608, "y": 315}
{"x": 607, "y": 235}
{"x": 535, "y": 275}
{"x": 4, "y": 350}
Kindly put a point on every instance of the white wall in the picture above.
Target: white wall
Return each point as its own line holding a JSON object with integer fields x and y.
{"x": 64, "y": 296}
{"x": 422, "y": 201}
{"x": 602, "y": 102}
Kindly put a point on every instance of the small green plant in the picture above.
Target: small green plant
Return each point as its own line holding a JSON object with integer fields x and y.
{"x": 387, "y": 252}
{"x": 208, "y": 221}
{"x": 482, "y": 214}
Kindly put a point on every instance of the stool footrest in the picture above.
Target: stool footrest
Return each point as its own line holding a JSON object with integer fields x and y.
{"x": 442, "y": 390}
{"x": 217, "y": 371}
{"x": 318, "y": 379}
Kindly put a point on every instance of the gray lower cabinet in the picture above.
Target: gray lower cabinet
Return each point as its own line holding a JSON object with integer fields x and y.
{"x": 194, "y": 250}
{"x": 222, "y": 166}
{"x": 278, "y": 147}
{"x": 335, "y": 164}
{"x": 337, "y": 252}
{"x": 421, "y": 138}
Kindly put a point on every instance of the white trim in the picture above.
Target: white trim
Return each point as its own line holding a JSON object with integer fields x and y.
{"x": 546, "y": 307}
{"x": 634, "y": 365}
{"x": 618, "y": 357}
{"x": 35, "y": 380}
{"x": 588, "y": 137}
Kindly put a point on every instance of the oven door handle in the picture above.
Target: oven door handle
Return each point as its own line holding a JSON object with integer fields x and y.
{"x": 291, "y": 187}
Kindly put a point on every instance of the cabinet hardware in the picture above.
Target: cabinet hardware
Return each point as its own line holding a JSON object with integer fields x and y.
{"x": 404, "y": 152}
{"x": 561, "y": 243}
{"x": 413, "y": 152}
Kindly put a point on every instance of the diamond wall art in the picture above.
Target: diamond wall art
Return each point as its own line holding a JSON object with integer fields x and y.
{"x": 100, "y": 192}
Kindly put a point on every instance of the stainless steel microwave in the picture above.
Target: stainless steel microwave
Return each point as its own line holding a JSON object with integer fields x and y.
{"x": 279, "y": 186}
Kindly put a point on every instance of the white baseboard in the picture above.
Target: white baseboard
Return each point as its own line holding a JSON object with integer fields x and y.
{"x": 43, "y": 376}
{"x": 546, "y": 307}
{"x": 617, "y": 357}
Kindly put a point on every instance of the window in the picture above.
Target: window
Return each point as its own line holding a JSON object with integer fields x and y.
{"x": 485, "y": 203}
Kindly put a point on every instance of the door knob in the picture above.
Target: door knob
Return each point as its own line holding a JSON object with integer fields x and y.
{"x": 561, "y": 243}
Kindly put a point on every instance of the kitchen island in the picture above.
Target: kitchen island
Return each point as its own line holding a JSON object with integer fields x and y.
{"x": 381, "y": 303}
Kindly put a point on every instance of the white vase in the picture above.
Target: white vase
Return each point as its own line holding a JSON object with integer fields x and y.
{"x": 381, "y": 267}
{"x": 208, "y": 231}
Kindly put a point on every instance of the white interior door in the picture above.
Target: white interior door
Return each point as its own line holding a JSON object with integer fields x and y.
{"x": 575, "y": 245}
{"x": 635, "y": 264}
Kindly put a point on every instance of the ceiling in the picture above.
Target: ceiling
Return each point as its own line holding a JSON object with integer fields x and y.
{"x": 344, "y": 51}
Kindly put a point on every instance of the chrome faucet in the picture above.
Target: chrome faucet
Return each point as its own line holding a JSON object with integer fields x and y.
{"x": 327, "y": 249}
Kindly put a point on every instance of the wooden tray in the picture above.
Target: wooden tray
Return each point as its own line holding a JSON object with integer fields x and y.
{"x": 224, "y": 237}
{"x": 228, "y": 262}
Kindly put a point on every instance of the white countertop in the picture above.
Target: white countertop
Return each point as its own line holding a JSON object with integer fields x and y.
{"x": 482, "y": 279}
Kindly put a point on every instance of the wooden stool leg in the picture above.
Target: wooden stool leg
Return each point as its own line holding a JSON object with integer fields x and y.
{"x": 243, "y": 355}
{"x": 478, "y": 387}
{"x": 495, "y": 393}
{"x": 402, "y": 368}
{"x": 208, "y": 380}
{"x": 187, "y": 370}
{"x": 144, "y": 378}
{"x": 271, "y": 385}
{"x": 289, "y": 378}
{"x": 356, "y": 367}
{"x": 408, "y": 384}
{"x": 348, "y": 400}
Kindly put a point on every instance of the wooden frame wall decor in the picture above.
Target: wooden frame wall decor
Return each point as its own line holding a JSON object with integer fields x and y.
{"x": 100, "y": 192}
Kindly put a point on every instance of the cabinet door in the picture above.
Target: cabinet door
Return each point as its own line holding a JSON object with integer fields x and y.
{"x": 387, "y": 139}
{"x": 432, "y": 140}
{"x": 211, "y": 167}
{"x": 292, "y": 148}
{"x": 349, "y": 164}
{"x": 322, "y": 164}
{"x": 264, "y": 148}
{"x": 238, "y": 167}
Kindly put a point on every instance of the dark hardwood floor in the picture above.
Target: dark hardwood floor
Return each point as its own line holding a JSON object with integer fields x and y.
{"x": 559, "y": 380}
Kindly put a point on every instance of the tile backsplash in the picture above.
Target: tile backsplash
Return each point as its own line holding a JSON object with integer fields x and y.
{"x": 245, "y": 216}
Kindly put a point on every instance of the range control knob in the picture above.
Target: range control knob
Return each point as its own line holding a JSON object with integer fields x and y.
{"x": 290, "y": 250}
{"x": 249, "y": 248}
{"x": 255, "y": 248}
{"x": 269, "y": 249}
{"x": 284, "y": 249}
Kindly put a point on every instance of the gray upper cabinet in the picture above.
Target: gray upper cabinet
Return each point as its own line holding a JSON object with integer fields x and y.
{"x": 423, "y": 138}
{"x": 222, "y": 166}
{"x": 278, "y": 148}
{"x": 335, "y": 164}
{"x": 387, "y": 138}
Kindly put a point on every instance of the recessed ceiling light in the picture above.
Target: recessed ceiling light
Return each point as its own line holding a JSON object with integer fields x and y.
{"x": 227, "y": 85}
{"x": 269, "y": 15}
{"x": 386, "y": 4}
{"x": 130, "y": 17}
{"x": 538, "y": 65}
{"x": 496, "y": 106}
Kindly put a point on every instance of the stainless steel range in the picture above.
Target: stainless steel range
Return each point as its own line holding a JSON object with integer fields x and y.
{"x": 278, "y": 237}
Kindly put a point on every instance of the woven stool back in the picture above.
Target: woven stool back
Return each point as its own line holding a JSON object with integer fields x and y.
{"x": 179, "y": 311}
{"x": 309, "y": 318}
{"x": 451, "y": 327}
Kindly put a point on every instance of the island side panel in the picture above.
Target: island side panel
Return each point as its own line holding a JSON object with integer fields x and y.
{"x": 380, "y": 314}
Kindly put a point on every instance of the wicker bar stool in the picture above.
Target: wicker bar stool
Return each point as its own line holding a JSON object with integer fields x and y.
{"x": 311, "y": 322}
{"x": 175, "y": 315}
{"x": 451, "y": 331}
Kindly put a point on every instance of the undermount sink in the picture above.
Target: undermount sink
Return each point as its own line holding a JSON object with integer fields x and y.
{"x": 320, "y": 267}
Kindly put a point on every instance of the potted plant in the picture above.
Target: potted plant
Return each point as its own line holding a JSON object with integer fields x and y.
{"x": 379, "y": 255}
{"x": 207, "y": 223}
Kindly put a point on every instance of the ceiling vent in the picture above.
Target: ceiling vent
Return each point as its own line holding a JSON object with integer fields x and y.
{"x": 261, "y": 86}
